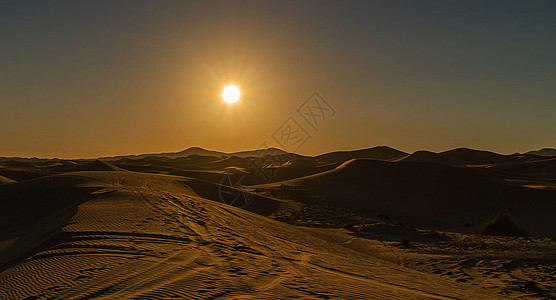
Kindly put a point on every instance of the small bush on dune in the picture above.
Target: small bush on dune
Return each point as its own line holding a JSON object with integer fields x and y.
{"x": 502, "y": 224}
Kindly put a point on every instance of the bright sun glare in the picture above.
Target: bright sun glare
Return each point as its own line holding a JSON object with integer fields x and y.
{"x": 230, "y": 93}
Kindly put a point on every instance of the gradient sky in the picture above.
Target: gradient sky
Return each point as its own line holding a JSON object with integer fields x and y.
{"x": 98, "y": 78}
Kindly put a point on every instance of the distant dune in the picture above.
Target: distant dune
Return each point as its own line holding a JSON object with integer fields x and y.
{"x": 432, "y": 157}
{"x": 202, "y": 152}
{"x": 18, "y": 164}
{"x": 232, "y": 161}
{"x": 540, "y": 167}
{"x": 97, "y": 165}
{"x": 544, "y": 152}
{"x": 380, "y": 152}
{"x": 19, "y": 171}
{"x": 477, "y": 157}
{"x": 465, "y": 156}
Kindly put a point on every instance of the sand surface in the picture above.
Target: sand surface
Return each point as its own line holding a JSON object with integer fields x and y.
{"x": 150, "y": 236}
{"x": 346, "y": 227}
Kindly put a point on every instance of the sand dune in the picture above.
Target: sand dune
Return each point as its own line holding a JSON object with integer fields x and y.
{"x": 226, "y": 162}
{"x": 379, "y": 152}
{"x": 541, "y": 167}
{"x": 4, "y": 180}
{"x": 478, "y": 157}
{"x": 428, "y": 194}
{"x": 538, "y": 174}
{"x": 151, "y": 236}
{"x": 97, "y": 165}
{"x": 20, "y": 170}
{"x": 201, "y": 152}
{"x": 549, "y": 152}
{"x": 432, "y": 157}
{"x": 465, "y": 156}
{"x": 155, "y": 227}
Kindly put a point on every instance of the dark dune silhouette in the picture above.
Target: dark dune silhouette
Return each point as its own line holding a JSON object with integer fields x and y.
{"x": 379, "y": 152}
{"x": 465, "y": 156}
{"x": 543, "y": 152}
{"x": 201, "y": 152}
{"x": 431, "y": 157}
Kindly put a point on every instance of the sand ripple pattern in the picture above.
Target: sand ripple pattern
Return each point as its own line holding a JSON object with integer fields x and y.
{"x": 152, "y": 237}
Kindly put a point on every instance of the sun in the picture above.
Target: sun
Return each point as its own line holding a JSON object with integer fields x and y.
{"x": 231, "y": 93}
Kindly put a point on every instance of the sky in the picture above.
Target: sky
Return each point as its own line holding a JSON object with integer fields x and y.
{"x": 101, "y": 78}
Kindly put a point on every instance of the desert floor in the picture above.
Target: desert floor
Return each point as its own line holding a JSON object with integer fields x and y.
{"x": 117, "y": 234}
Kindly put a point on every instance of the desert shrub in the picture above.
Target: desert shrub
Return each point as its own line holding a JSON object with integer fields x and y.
{"x": 502, "y": 224}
